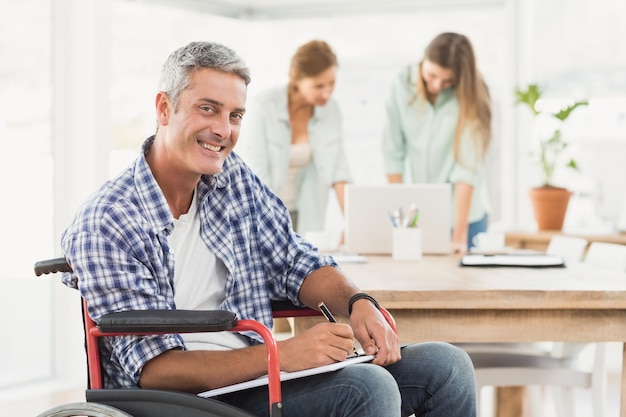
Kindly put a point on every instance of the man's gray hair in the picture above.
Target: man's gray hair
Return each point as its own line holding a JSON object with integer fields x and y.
{"x": 195, "y": 56}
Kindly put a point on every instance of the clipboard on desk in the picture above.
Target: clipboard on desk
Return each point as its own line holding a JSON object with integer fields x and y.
{"x": 527, "y": 260}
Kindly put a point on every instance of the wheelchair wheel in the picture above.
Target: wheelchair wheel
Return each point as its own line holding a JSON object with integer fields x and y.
{"x": 84, "y": 409}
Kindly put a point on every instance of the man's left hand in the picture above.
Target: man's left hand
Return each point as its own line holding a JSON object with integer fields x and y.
{"x": 374, "y": 333}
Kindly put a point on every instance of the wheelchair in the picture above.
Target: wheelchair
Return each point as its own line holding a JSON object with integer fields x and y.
{"x": 139, "y": 402}
{"x": 159, "y": 403}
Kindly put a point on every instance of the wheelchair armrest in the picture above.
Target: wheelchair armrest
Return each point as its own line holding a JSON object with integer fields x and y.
{"x": 167, "y": 321}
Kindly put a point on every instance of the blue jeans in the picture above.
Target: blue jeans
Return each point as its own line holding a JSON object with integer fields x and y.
{"x": 432, "y": 379}
{"x": 475, "y": 228}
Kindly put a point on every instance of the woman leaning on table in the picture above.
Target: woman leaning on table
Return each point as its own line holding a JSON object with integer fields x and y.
{"x": 292, "y": 137}
{"x": 438, "y": 123}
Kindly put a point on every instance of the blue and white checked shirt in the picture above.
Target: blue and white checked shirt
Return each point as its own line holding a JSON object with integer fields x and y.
{"x": 118, "y": 248}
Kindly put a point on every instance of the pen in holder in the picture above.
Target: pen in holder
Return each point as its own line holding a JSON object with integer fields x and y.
{"x": 407, "y": 235}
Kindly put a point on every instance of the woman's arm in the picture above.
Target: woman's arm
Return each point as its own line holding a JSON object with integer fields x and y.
{"x": 340, "y": 188}
{"x": 394, "y": 141}
{"x": 394, "y": 178}
{"x": 463, "y": 199}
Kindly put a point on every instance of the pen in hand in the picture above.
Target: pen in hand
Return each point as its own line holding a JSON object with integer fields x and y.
{"x": 329, "y": 316}
{"x": 326, "y": 312}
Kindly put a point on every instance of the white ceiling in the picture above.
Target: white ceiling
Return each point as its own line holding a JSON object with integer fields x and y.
{"x": 284, "y": 9}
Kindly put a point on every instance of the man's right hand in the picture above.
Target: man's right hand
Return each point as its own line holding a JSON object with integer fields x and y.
{"x": 320, "y": 345}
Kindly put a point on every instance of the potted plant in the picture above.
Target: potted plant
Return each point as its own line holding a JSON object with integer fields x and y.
{"x": 549, "y": 200}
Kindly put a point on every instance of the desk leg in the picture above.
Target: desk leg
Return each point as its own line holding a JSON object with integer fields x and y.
{"x": 510, "y": 402}
{"x": 622, "y": 399}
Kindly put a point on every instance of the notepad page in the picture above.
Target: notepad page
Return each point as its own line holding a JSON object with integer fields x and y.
{"x": 286, "y": 376}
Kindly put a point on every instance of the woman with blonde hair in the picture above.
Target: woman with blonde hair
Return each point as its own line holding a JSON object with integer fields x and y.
{"x": 292, "y": 137}
{"x": 438, "y": 125}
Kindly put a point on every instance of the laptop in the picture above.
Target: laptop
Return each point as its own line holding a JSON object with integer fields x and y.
{"x": 368, "y": 228}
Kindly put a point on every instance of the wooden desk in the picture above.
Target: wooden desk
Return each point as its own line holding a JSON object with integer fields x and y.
{"x": 539, "y": 240}
{"x": 435, "y": 299}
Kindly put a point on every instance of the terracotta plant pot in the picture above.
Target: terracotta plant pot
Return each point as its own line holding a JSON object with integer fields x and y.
{"x": 550, "y": 206}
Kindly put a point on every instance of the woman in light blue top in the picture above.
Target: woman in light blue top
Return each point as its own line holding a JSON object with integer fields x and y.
{"x": 292, "y": 137}
{"x": 438, "y": 125}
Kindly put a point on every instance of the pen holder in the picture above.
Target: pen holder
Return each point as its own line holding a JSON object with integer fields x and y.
{"x": 407, "y": 244}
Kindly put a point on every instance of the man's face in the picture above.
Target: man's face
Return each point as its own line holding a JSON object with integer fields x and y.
{"x": 317, "y": 90}
{"x": 204, "y": 128}
{"x": 436, "y": 78}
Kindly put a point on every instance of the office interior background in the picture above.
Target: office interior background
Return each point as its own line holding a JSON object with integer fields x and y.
{"x": 78, "y": 80}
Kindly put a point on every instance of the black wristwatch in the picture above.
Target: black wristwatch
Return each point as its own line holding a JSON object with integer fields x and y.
{"x": 360, "y": 296}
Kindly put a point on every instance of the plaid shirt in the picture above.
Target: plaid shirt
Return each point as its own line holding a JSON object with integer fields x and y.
{"x": 117, "y": 246}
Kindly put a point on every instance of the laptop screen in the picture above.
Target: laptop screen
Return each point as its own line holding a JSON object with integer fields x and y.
{"x": 368, "y": 228}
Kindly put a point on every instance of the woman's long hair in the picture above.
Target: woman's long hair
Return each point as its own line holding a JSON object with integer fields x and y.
{"x": 454, "y": 51}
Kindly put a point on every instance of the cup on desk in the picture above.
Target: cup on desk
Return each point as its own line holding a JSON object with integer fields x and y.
{"x": 407, "y": 243}
{"x": 488, "y": 241}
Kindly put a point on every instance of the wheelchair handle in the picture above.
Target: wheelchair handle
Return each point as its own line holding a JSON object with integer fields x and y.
{"x": 51, "y": 266}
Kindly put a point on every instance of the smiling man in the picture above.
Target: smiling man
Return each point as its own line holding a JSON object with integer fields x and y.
{"x": 197, "y": 131}
{"x": 189, "y": 226}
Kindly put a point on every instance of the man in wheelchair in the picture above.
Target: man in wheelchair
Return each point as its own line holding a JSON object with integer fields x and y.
{"x": 189, "y": 226}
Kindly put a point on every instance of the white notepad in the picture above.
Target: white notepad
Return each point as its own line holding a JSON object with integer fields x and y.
{"x": 286, "y": 376}
{"x": 527, "y": 260}
{"x": 347, "y": 258}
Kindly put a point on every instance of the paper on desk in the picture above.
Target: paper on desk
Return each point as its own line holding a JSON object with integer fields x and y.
{"x": 347, "y": 258}
{"x": 527, "y": 260}
{"x": 286, "y": 376}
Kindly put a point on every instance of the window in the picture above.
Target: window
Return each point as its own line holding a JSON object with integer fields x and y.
{"x": 574, "y": 56}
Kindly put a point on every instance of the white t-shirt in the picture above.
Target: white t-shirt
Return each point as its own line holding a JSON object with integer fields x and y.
{"x": 199, "y": 281}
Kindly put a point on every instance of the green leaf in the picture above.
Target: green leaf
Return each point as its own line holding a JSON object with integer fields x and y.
{"x": 550, "y": 148}
{"x": 564, "y": 113}
{"x": 572, "y": 164}
{"x": 529, "y": 96}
